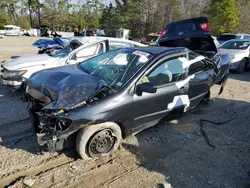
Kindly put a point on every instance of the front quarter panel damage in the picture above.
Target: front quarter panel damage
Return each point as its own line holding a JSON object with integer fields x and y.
{"x": 55, "y": 125}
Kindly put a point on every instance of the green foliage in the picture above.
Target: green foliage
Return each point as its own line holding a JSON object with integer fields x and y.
{"x": 4, "y": 20}
{"x": 23, "y": 23}
{"x": 223, "y": 15}
{"x": 109, "y": 20}
{"x": 123, "y": 15}
{"x": 140, "y": 16}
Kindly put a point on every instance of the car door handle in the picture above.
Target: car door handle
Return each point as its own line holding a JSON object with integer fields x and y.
{"x": 183, "y": 89}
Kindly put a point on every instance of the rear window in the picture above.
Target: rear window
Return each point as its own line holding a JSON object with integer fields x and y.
{"x": 228, "y": 37}
{"x": 246, "y": 37}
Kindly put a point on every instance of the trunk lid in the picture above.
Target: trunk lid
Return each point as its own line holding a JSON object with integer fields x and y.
{"x": 193, "y": 34}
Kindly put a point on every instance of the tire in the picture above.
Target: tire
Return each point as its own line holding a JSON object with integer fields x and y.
{"x": 87, "y": 140}
{"x": 241, "y": 67}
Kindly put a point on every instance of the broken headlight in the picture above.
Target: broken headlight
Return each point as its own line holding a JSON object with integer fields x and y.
{"x": 13, "y": 75}
{"x": 54, "y": 123}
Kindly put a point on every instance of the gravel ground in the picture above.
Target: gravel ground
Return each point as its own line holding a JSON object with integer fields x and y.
{"x": 174, "y": 154}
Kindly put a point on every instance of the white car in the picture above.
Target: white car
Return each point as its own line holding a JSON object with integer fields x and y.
{"x": 239, "y": 53}
{"x": 16, "y": 71}
{"x": 216, "y": 42}
{"x": 12, "y": 30}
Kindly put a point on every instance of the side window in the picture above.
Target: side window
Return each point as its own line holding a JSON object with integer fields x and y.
{"x": 246, "y": 37}
{"x": 192, "y": 55}
{"x": 114, "y": 46}
{"x": 167, "y": 72}
{"x": 196, "y": 67}
{"x": 88, "y": 51}
{"x": 100, "y": 50}
{"x": 200, "y": 66}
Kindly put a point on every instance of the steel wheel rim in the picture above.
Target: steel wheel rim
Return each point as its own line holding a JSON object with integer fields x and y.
{"x": 101, "y": 143}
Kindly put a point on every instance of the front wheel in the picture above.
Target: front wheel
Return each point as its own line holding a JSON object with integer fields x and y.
{"x": 241, "y": 67}
{"x": 98, "y": 140}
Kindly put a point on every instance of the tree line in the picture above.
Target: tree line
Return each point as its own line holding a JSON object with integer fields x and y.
{"x": 140, "y": 16}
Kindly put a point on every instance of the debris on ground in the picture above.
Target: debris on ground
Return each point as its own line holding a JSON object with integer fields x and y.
{"x": 29, "y": 182}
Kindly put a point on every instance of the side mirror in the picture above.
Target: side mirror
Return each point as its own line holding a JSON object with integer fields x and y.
{"x": 145, "y": 87}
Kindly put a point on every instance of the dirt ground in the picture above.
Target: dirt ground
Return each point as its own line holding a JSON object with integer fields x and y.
{"x": 173, "y": 154}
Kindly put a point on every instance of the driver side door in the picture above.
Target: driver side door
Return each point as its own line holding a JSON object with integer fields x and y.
{"x": 170, "y": 99}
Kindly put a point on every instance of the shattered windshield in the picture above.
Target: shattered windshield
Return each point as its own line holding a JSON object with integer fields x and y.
{"x": 63, "y": 52}
{"x": 116, "y": 67}
{"x": 237, "y": 45}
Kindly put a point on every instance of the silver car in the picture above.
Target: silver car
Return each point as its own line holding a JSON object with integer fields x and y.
{"x": 238, "y": 51}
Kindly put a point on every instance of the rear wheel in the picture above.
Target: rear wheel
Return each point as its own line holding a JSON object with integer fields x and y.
{"x": 241, "y": 67}
{"x": 98, "y": 140}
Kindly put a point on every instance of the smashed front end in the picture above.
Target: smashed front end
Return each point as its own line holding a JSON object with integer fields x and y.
{"x": 12, "y": 78}
{"x": 49, "y": 128}
{"x": 57, "y": 111}
{"x": 54, "y": 127}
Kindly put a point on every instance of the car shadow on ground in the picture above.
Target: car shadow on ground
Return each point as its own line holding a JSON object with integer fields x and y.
{"x": 242, "y": 77}
{"x": 179, "y": 151}
{"x": 15, "y": 127}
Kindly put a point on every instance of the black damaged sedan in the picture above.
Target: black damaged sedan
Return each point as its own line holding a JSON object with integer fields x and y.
{"x": 98, "y": 102}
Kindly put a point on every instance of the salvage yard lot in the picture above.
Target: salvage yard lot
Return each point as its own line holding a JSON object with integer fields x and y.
{"x": 173, "y": 153}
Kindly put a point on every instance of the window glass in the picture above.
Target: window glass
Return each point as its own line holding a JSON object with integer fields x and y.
{"x": 88, "y": 51}
{"x": 170, "y": 71}
{"x": 100, "y": 51}
{"x": 196, "y": 67}
{"x": 114, "y": 46}
{"x": 239, "y": 45}
{"x": 63, "y": 52}
{"x": 246, "y": 37}
{"x": 192, "y": 55}
{"x": 116, "y": 67}
{"x": 200, "y": 66}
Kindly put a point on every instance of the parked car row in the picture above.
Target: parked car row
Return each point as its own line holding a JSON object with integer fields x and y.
{"x": 95, "y": 91}
{"x": 229, "y": 36}
{"x": 239, "y": 53}
{"x": 17, "y": 71}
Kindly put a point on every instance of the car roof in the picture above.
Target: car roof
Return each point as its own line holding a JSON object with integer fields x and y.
{"x": 95, "y": 39}
{"x": 246, "y": 40}
{"x": 235, "y": 34}
{"x": 159, "y": 49}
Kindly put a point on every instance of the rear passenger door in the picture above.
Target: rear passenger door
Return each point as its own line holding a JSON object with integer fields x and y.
{"x": 202, "y": 77}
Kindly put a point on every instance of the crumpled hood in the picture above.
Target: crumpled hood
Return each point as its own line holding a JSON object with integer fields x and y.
{"x": 27, "y": 60}
{"x": 45, "y": 43}
{"x": 231, "y": 52}
{"x": 66, "y": 86}
{"x": 50, "y": 43}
